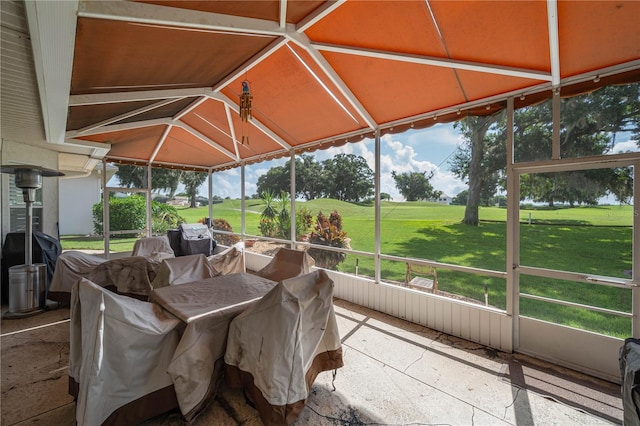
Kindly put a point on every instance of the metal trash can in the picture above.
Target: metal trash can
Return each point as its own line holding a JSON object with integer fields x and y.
{"x": 27, "y": 287}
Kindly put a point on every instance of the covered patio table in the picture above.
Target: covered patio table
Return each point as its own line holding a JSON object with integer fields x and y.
{"x": 206, "y": 307}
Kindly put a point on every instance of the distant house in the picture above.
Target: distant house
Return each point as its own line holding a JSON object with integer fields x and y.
{"x": 78, "y": 194}
{"x": 444, "y": 199}
{"x": 179, "y": 200}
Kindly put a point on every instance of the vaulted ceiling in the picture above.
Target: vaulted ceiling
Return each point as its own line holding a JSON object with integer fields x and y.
{"x": 160, "y": 81}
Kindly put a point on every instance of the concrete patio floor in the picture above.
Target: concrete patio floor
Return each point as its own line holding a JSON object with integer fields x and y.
{"x": 395, "y": 373}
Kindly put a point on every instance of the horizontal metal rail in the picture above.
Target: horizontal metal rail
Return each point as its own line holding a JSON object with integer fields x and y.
{"x": 577, "y": 277}
{"x": 577, "y": 305}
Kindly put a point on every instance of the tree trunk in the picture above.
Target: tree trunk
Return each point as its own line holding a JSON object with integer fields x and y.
{"x": 479, "y": 127}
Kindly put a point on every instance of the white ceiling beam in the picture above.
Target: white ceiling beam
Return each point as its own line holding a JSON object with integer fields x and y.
{"x": 52, "y": 28}
{"x": 119, "y": 127}
{"x": 283, "y": 13}
{"x": 142, "y": 95}
{"x": 303, "y": 41}
{"x": 436, "y": 62}
{"x": 318, "y": 14}
{"x": 554, "y": 42}
{"x": 125, "y": 116}
{"x": 151, "y": 14}
{"x": 156, "y": 149}
{"x": 207, "y": 140}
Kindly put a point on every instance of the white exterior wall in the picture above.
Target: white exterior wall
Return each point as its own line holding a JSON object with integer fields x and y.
{"x": 77, "y": 197}
{"x": 21, "y": 153}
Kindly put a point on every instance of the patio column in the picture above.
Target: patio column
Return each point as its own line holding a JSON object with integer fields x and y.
{"x": 513, "y": 232}
{"x": 149, "y": 200}
{"x": 377, "y": 206}
{"x": 292, "y": 191}
{"x": 210, "y": 179}
{"x": 242, "y": 220}
{"x": 105, "y": 210}
{"x": 635, "y": 266}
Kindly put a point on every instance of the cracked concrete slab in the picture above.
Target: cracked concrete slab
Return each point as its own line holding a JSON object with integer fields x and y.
{"x": 395, "y": 373}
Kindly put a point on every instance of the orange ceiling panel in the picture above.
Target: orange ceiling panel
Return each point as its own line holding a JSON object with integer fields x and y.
{"x": 124, "y": 56}
{"x": 181, "y": 147}
{"x": 508, "y": 33}
{"x": 258, "y": 143}
{"x": 291, "y": 102}
{"x": 387, "y": 96}
{"x": 133, "y": 143}
{"x": 402, "y": 26}
{"x": 210, "y": 119}
{"x": 300, "y": 103}
{"x": 594, "y": 34}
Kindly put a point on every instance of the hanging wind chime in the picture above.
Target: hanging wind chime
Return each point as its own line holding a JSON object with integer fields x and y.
{"x": 245, "y": 110}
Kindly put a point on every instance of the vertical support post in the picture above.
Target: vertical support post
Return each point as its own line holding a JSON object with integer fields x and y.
{"x": 635, "y": 265}
{"x": 210, "y": 179}
{"x": 242, "y": 215}
{"x": 105, "y": 210}
{"x": 555, "y": 142}
{"x": 292, "y": 190}
{"x": 149, "y": 201}
{"x": 513, "y": 232}
{"x": 377, "y": 206}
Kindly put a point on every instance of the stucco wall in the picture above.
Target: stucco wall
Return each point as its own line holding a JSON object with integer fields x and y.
{"x": 77, "y": 196}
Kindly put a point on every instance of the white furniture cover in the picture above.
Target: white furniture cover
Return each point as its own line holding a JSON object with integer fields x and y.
{"x": 120, "y": 349}
{"x": 207, "y": 307}
{"x": 230, "y": 260}
{"x": 153, "y": 248}
{"x": 287, "y": 263}
{"x": 276, "y": 348}
{"x": 129, "y": 275}
{"x": 70, "y": 267}
{"x": 183, "y": 269}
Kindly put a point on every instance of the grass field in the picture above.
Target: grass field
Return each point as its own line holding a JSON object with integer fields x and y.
{"x": 589, "y": 240}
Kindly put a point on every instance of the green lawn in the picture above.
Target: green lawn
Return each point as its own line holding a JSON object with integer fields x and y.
{"x": 589, "y": 240}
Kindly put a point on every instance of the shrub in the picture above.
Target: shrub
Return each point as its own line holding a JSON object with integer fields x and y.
{"x": 275, "y": 221}
{"x": 328, "y": 232}
{"x": 164, "y": 217}
{"x": 222, "y": 225}
{"x": 131, "y": 213}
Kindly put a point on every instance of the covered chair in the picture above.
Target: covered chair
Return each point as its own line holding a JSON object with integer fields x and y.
{"x": 277, "y": 347}
{"x": 126, "y": 275}
{"x": 183, "y": 269}
{"x": 230, "y": 260}
{"x": 153, "y": 248}
{"x": 120, "y": 349}
{"x": 287, "y": 263}
{"x": 70, "y": 267}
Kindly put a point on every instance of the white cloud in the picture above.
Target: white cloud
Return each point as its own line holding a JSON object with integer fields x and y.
{"x": 628, "y": 146}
